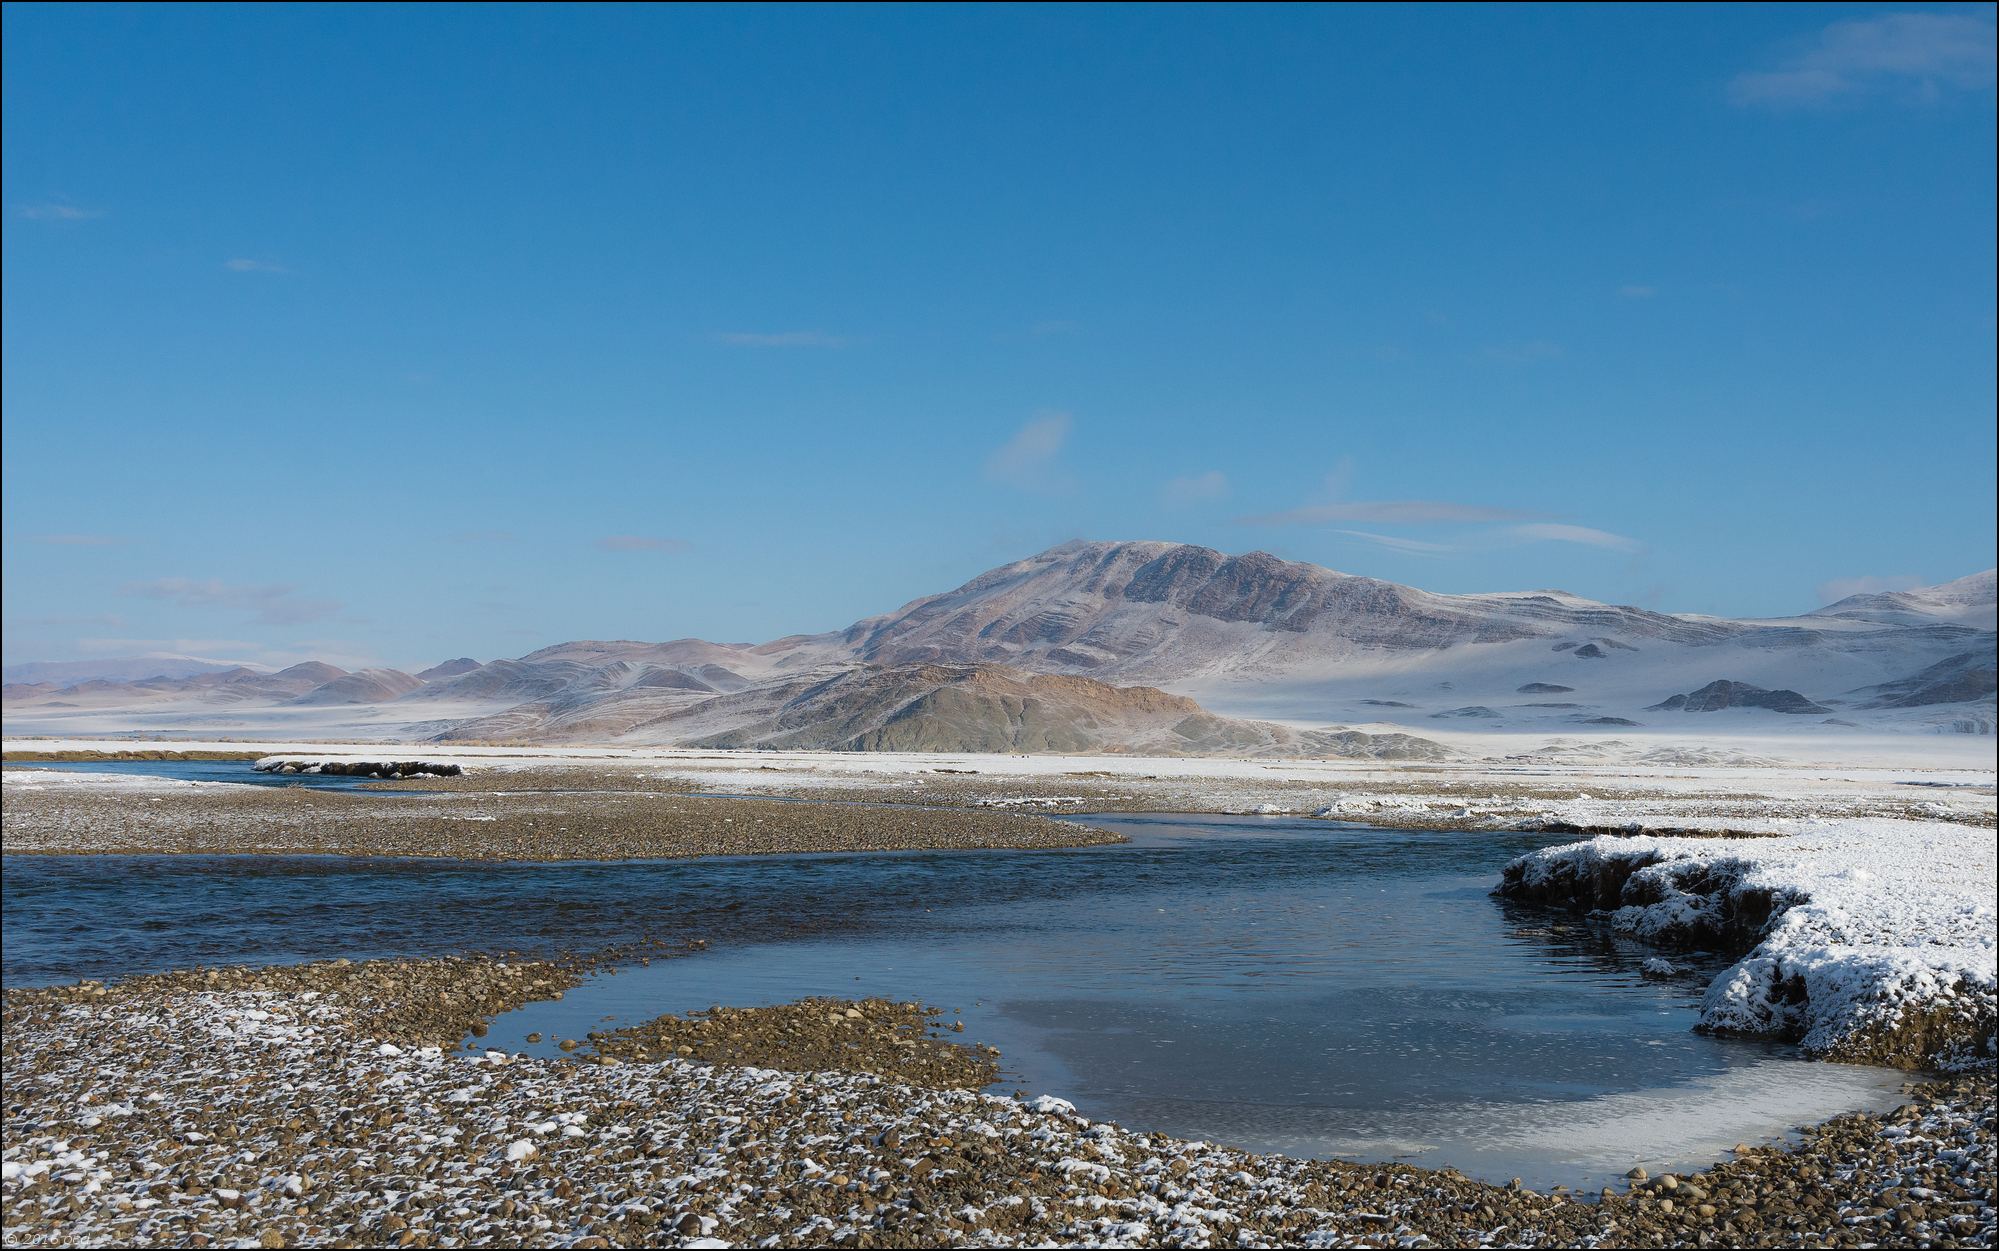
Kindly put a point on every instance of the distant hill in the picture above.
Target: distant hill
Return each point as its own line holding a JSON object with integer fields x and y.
{"x": 114, "y": 669}
{"x": 369, "y": 686}
{"x": 1723, "y": 693}
{"x": 1963, "y": 678}
{"x": 1252, "y": 640}
{"x": 955, "y": 708}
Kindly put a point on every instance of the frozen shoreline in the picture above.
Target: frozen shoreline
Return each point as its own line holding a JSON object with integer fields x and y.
{"x": 1864, "y": 940}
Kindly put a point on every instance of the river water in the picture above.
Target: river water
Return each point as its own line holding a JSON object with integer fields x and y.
{"x": 1269, "y": 983}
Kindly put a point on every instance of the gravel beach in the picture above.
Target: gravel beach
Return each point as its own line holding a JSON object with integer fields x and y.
{"x": 876, "y": 1036}
{"x": 325, "y": 1104}
{"x": 332, "y": 1103}
{"x": 69, "y": 817}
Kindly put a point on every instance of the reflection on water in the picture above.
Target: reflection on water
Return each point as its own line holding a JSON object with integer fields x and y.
{"x": 1271, "y": 984}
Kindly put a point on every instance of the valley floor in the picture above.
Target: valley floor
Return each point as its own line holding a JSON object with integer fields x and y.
{"x": 1858, "y": 898}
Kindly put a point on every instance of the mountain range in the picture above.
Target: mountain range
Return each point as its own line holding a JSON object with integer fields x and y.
{"x": 1136, "y": 646}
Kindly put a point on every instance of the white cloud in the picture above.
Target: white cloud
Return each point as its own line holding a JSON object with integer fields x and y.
{"x": 1915, "y": 57}
{"x": 56, "y": 212}
{"x": 246, "y": 265}
{"x": 236, "y": 651}
{"x": 1195, "y": 488}
{"x": 1839, "y": 588}
{"x": 640, "y": 543}
{"x": 272, "y": 604}
{"x": 1385, "y": 512}
{"x": 1636, "y": 291}
{"x": 1556, "y": 532}
{"x": 1395, "y": 543}
{"x": 178, "y": 647}
{"x": 782, "y": 338}
{"x": 1028, "y": 459}
{"x": 105, "y": 620}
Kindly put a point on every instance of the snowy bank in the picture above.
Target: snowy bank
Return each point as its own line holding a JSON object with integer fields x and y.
{"x": 26, "y": 780}
{"x": 1862, "y": 939}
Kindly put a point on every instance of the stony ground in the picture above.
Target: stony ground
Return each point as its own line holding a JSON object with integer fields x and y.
{"x": 330, "y": 1104}
{"x": 1406, "y": 796}
{"x": 878, "y": 1036}
{"x": 488, "y": 824}
{"x": 320, "y": 1105}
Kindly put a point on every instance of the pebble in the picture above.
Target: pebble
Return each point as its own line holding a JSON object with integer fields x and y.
{"x": 239, "y": 1081}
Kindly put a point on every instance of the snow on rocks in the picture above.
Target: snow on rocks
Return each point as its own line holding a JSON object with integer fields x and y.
{"x": 394, "y": 769}
{"x": 1862, "y": 938}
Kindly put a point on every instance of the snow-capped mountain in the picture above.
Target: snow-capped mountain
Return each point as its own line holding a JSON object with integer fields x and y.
{"x": 1254, "y": 635}
{"x": 1249, "y": 636}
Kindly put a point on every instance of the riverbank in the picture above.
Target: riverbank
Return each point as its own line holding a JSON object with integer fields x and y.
{"x": 1499, "y": 782}
{"x": 1894, "y": 965}
{"x": 55, "y": 813}
{"x": 1865, "y": 941}
{"x": 323, "y": 1103}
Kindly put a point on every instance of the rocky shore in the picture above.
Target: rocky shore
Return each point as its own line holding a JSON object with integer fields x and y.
{"x": 1867, "y": 942}
{"x": 879, "y": 1036}
{"x": 214, "y": 819}
{"x": 326, "y": 1104}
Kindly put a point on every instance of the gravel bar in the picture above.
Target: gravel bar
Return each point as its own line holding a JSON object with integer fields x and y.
{"x": 319, "y": 1105}
{"x": 878, "y": 1036}
{"x": 219, "y": 819}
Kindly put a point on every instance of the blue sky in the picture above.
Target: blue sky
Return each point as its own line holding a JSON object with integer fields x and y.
{"x": 387, "y": 334}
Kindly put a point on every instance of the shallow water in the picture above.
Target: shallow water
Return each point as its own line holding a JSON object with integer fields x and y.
{"x": 1267, "y": 983}
{"x": 197, "y": 771}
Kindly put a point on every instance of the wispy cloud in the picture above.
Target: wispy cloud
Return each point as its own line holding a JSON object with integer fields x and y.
{"x": 238, "y": 651}
{"x": 180, "y": 647}
{"x": 1527, "y": 352}
{"x": 334, "y": 652}
{"x": 1840, "y": 588}
{"x": 248, "y": 265}
{"x": 782, "y": 339}
{"x": 80, "y": 540}
{"x": 101, "y": 620}
{"x": 640, "y": 543}
{"x": 1029, "y": 460}
{"x": 1636, "y": 291}
{"x": 54, "y": 211}
{"x": 1486, "y": 526}
{"x": 1196, "y": 488}
{"x": 1556, "y": 532}
{"x": 1396, "y": 543}
{"x": 1386, "y": 512}
{"x": 270, "y": 604}
{"x": 1913, "y": 57}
